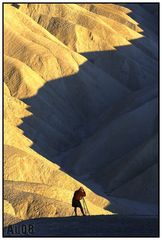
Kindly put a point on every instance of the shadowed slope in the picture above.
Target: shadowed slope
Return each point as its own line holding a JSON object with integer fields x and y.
{"x": 108, "y": 226}
{"x": 78, "y": 113}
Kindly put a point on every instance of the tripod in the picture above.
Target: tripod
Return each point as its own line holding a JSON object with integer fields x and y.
{"x": 85, "y": 208}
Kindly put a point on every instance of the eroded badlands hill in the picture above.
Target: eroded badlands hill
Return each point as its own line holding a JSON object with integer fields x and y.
{"x": 80, "y": 93}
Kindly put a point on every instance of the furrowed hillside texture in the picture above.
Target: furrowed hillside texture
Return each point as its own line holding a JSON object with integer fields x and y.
{"x": 80, "y": 109}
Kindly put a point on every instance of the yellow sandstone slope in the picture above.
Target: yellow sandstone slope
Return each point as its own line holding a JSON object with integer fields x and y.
{"x": 34, "y": 186}
{"x": 53, "y": 95}
{"x": 85, "y": 27}
{"x": 30, "y": 176}
{"x": 32, "y": 182}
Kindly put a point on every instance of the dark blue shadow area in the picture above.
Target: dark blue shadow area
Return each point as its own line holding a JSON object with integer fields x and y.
{"x": 147, "y": 14}
{"x": 66, "y": 110}
{"x": 135, "y": 66}
{"x": 99, "y": 226}
{"x": 69, "y": 110}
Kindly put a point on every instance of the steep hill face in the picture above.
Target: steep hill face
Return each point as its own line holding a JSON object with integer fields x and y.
{"x": 93, "y": 28}
{"x": 80, "y": 96}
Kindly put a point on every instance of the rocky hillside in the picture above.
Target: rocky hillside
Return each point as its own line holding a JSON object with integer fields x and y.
{"x": 80, "y": 108}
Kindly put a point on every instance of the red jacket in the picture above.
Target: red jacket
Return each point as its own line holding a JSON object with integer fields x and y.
{"x": 79, "y": 194}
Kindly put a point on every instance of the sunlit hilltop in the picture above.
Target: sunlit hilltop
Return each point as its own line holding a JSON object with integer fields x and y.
{"x": 80, "y": 109}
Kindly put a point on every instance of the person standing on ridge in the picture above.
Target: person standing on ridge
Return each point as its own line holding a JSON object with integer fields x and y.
{"x": 78, "y": 195}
